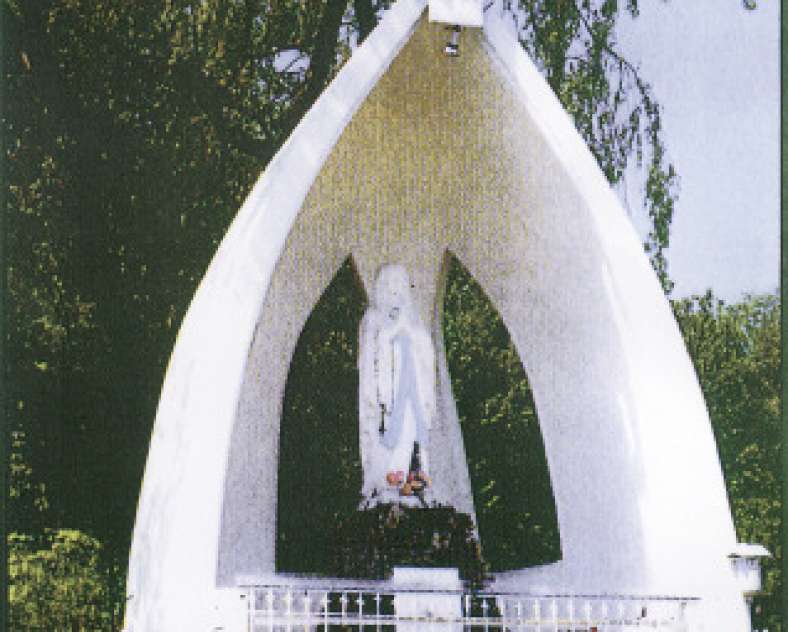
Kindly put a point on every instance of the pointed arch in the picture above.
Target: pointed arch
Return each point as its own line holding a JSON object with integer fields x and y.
{"x": 512, "y": 490}
{"x": 319, "y": 470}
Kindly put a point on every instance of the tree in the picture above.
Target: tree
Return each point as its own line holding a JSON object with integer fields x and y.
{"x": 134, "y": 133}
{"x": 57, "y": 583}
{"x": 736, "y": 352}
{"x": 614, "y": 108}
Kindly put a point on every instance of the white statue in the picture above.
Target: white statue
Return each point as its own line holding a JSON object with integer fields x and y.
{"x": 396, "y": 392}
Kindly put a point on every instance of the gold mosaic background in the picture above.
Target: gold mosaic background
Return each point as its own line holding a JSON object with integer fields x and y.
{"x": 417, "y": 170}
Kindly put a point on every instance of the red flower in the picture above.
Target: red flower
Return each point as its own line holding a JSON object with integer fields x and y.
{"x": 395, "y": 478}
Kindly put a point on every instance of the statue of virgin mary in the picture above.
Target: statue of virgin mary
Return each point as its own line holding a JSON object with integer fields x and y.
{"x": 396, "y": 393}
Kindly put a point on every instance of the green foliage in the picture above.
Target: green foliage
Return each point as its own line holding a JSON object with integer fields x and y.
{"x": 319, "y": 478}
{"x": 736, "y": 352}
{"x": 613, "y": 107}
{"x": 369, "y": 543}
{"x": 57, "y": 582}
{"x": 25, "y": 495}
{"x": 512, "y": 492}
{"x": 134, "y": 133}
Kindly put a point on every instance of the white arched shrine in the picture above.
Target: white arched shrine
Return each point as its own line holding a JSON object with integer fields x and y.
{"x": 408, "y": 153}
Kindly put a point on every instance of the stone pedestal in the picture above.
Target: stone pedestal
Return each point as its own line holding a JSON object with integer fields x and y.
{"x": 427, "y": 594}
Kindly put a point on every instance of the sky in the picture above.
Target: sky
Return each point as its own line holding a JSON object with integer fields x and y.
{"x": 714, "y": 67}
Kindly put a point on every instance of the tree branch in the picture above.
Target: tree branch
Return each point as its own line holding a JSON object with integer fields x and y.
{"x": 367, "y": 20}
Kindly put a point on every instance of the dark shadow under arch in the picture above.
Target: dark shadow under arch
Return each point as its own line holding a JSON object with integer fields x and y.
{"x": 319, "y": 467}
{"x": 512, "y": 493}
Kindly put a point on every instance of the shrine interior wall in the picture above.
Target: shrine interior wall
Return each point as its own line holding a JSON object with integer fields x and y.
{"x": 445, "y": 154}
{"x": 471, "y": 154}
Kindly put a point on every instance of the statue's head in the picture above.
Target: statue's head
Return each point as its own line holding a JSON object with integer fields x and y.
{"x": 392, "y": 292}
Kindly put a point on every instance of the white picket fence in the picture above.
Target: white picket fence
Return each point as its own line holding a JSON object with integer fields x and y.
{"x": 368, "y": 606}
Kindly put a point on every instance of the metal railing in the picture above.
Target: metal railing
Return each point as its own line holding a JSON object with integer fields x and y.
{"x": 376, "y": 606}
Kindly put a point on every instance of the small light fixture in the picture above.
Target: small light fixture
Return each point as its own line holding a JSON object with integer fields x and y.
{"x": 452, "y": 48}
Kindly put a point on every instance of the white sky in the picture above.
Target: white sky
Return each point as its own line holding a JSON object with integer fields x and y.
{"x": 714, "y": 67}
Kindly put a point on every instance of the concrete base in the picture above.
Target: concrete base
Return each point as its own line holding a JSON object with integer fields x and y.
{"x": 423, "y": 597}
{"x": 230, "y": 610}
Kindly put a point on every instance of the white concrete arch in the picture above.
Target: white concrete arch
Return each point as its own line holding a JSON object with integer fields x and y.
{"x": 408, "y": 153}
